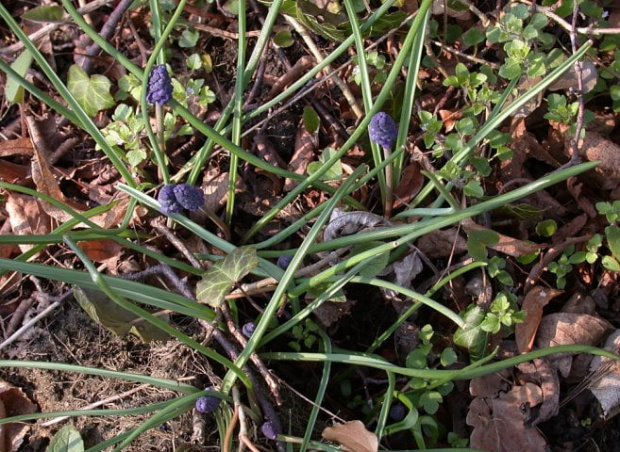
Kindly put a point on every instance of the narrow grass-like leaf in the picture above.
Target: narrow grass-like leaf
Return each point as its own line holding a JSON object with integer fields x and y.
{"x": 220, "y": 279}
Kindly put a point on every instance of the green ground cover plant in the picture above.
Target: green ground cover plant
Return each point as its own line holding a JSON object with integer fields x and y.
{"x": 428, "y": 130}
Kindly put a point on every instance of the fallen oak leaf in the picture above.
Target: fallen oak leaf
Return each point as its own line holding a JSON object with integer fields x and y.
{"x": 533, "y": 303}
{"x": 352, "y": 436}
{"x": 500, "y": 423}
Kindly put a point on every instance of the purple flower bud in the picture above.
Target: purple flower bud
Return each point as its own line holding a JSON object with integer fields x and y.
{"x": 397, "y": 412}
{"x": 168, "y": 200}
{"x": 269, "y": 430}
{"x": 188, "y": 196}
{"x": 248, "y": 329}
{"x": 159, "y": 89}
{"x": 207, "y": 404}
{"x": 383, "y": 130}
{"x": 284, "y": 261}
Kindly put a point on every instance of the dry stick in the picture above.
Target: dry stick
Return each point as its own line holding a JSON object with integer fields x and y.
{"x": 33, "y": 321}
{"x": 464, "y": 55}
{"x": 357, "y": 110}
{"x": 269, "y": 413}
{"x": 243, "y": 427}
{"x": 47, "y": 29}
{"x": 231, "y": 428}
{"x": 106, "y": 33}
{"x": 574, "y": 142}
{"x": 568, "y": 27}
{"x": 18, "y": 315}
{"x": 260, "y": 365}
{"x": 99, "y": 403}
{"x": 177, "y": 243}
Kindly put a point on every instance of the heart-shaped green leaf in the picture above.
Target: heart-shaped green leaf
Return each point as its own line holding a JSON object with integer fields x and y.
{"x": 92, "y": 93}
{"x": 67, "y": 439}
{"x": 220, "y": 279}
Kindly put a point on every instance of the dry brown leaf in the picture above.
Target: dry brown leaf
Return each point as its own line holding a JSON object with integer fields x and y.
{"x": 215, "y": 186}
{"x": 26, "y": 217}
{"x": 506, "y": 245}
{"x": 101, "y": 250}
{"x": 13, "y": 402}
{"x": 19, "y": 146}
{"x": 595, "y": 147}
{"x": 501, "y": 424}
{"x": 449, "y": 118}
{"x": 544, "y": 374}
{"x": 442, "y": 243}
{"x": 564, "y": 328}
{"x": 606, "y": 385}
{"x": 410, "y": 184}
{"x": 352, "y": 436}
{"x": 490, "y": 385}
{"x": 12, "y": 172}
{"x": 305, "y": 147}
{"x": 533, "y": 304}
{"x": 568, "y": 80}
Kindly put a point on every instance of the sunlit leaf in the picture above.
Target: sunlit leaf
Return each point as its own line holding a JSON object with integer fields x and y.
{"x": 472, "y": 337}
{"x": 220, "y": 279}
{"x": 44, "y": 13}
{"x": 67, "y": 439}
{"x": 13, "y": 91}
{"x": 92, "y": 93}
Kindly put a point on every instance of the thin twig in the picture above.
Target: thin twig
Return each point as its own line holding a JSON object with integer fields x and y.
{"x": 568, "y": 27}
{"x": 106, "y": 32}
{"x": 271, "y": 382}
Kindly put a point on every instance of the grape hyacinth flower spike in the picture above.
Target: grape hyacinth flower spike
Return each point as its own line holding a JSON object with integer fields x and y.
{"x": 173, "y": 198}
{"x": 383, "y": 130}
{"x": 159, "y": 89}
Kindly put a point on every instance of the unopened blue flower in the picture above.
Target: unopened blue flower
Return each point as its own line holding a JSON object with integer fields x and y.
{"x": 383, "y": 130}
{"x": 190, "y": 197}
{"x": 284, "y": 261}
{"x": 168, "y": 200}
{"x": 248, "y": 329}
{"x": 207, "y": 404}
{"x": 159, "y": 90}
{"x": 270, "y": 430}
{"x": 176, "y": 197}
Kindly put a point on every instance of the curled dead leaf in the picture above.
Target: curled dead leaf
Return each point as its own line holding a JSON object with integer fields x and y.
{"x": 533, "y": 304}
{"x": 501, "y": 424}
{"x": 13, "y": 402}
{"x": 26, "y": 217}
{"x": 352, "y": 436}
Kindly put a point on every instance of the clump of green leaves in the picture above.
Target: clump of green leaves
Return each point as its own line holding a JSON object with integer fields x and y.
{"x": 524, "y": 42}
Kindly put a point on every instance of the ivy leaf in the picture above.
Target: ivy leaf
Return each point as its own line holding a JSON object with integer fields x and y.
{"x": 67, "y": 439}
{"x": 92, "y": 93}
{"x": 219, "y": 279}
